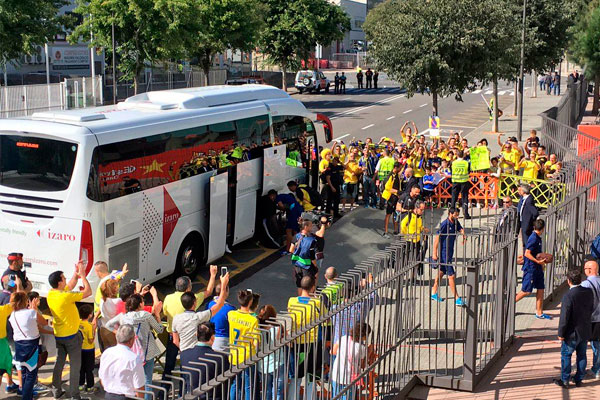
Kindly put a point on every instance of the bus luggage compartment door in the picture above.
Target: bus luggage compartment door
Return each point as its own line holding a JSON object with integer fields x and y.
{"x": 275, "y": 170}
{"x": 217, "y": 232}
{"x": 249, "y": 179}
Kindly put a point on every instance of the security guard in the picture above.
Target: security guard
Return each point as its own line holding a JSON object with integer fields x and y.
{"x": 460, "y": 182}
{"x": 383, "y": 169}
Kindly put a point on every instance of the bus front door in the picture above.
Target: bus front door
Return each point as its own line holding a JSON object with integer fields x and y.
{"x": 217, "y": 234}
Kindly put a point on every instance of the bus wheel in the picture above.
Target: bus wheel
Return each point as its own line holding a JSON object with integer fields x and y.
{"x": 190, "y": 256}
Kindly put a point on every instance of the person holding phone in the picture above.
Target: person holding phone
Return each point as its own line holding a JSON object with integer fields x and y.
{"x": 14, "y": 270}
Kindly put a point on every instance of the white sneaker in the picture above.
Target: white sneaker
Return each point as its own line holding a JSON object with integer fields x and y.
{"x": 227, "y": 249}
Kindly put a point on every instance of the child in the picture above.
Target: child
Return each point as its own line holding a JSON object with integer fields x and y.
{"x": 495, "y": 172}
{"x": 88, "y": 351}
{"x": 254, "y": 304}
{"x": 428, "y": 185}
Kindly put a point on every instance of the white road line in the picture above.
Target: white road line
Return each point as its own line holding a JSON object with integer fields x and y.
{"x": 502, "y": 93}
{"x": 367, "y": 127}
{"x": 489, "y": 92}
{"x": 334, "y": 118}
{"x": 347, "y": 98}
{"x": 392, "y": 117}
{"x": 457, "y": 126}
{"x": 422, "y": 105}
{"x": 329, "y": 102}
{"x": 362, "y": 108}
{"x": 476, "y": 91}
{"x": 341, "y": 137}
{"x": 407, "y": 111}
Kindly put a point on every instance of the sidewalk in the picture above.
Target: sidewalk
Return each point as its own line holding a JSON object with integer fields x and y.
{"x": 525, "y": 371}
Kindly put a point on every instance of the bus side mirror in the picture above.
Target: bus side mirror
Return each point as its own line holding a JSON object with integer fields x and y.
{"x": 327, "y": 127}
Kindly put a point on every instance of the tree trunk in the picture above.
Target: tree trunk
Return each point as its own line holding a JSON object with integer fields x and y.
{"x": 206, "y": 72}
{"x": 516, "y": 97}
{"x": 434, "y": 105}
{"x": 596, "y": 104}
{"x": 534, "y": 84}
{"x": 135, "y": 84}
{"x": 283, "y": 80}
{"x": 495, "y": 109}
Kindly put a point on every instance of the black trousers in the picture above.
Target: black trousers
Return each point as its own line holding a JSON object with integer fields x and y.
{"x": 369, "y": 83}
{"x": 333, "y": 201}
{"x": 461, "y": 188}
{"x": 86, "y": 373}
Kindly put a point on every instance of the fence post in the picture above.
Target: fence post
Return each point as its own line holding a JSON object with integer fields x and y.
{"x": 574, "y": 235}
{"x": 502, "y": 266}
{"x": 25, "y": 99}
{"x": 84, "y": 91}
{"x": 472, "y": 288}
{"x": 100, "y": 89}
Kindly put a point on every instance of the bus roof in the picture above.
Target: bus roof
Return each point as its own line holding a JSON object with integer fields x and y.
{"x": 161, "y": 106}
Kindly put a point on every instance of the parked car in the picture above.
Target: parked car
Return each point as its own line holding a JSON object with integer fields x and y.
{"x": 244, "y": 80}
{"x": 311, "y": 80}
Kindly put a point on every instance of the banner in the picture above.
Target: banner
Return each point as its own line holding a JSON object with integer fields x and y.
{"x": 480, "y": 158}
{"x": 434, "y": 126}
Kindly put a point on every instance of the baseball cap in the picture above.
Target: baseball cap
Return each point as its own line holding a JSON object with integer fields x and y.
{"x": 14, "y": 256}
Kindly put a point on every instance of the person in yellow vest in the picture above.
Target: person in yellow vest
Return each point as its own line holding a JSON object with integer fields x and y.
{"x": 411, "y": 228}
{"x": 460, "y": 182}
{"x": 390, "y": 195}
{"x": 383, "y": 169}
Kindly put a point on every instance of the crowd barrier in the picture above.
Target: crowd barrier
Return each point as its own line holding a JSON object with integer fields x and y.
{"x": 486, "y": 187}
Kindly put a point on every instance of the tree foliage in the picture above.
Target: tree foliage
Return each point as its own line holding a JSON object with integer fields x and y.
{"x": 27, "y": 23}
{"x": 219, "y": 25}
{"x": 294, "y": 27}
{"x": 437, "y": 46}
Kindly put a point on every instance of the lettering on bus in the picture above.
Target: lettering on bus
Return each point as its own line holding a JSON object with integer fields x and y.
{"x": 58, "y": 236}
{"x": 28, "y": 145}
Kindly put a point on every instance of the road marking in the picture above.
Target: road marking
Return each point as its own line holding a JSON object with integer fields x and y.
{"x": 334, "y": 118}
{"x": 329, "y": 102}
{"x": 392, "y": 117}
{"x": 407, "y": 111}
{"x": 422, "y": 105}
{"x": 383, "y": 101}
{"x": 477, "y": 91}
{"x": 489, "y": 92}
{"x": 458, "y": 126}
{"x": 367, "y": 127}
{"x": 502, "y": 93}
{"x": 341, "y": 137}
{"x": 347, "y": 98}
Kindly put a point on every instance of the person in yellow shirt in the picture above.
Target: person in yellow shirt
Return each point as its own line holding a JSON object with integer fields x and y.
{"x": 530, "y": 167}
{"x": 412, "y": 227}
{"x": 351, "y": 173}
{"x": 88, "y": 351}
{"x": 243, "y": 344}
{"x": 418, "y": 161}
{"x": 506, "y": 163}
{"x": 406, "y": 132}
{"x": 62, "y": 303}
{"x": 551, "y": 166}
{"x": 172, "y": 306}
{"x": 5, "y": 353}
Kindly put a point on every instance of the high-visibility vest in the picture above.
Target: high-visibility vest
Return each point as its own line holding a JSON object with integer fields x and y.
{"x": 385, "y": 168}
{"x": 460, "y": 171}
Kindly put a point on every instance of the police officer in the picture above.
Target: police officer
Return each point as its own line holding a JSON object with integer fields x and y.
{"x": 343, "y": 83}
{"x": 359, "y": 78}
{"x": 336, "y": 82}
{"x": 460, "y": 182}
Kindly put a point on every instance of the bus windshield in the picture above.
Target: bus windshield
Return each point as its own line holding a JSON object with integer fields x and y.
{"x": 30, "y": 163}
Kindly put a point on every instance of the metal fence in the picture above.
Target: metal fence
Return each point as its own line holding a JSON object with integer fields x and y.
{"x": 18, "y": 101}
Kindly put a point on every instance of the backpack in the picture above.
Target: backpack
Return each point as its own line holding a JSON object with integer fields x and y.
{"x": 315, "y": 197}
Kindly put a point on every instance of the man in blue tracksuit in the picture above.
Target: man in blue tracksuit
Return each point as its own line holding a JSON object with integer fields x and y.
{"x": 443, "y": 252}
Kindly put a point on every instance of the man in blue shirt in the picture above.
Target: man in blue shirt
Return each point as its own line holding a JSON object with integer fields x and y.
{"x": 533, "y": 269}
{"x": 443, "y": 251}
{"x": 221, "y": 342}
{"x": 293, "y": 211}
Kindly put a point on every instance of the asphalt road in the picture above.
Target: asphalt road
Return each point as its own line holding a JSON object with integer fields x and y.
{"x": 362, "y": 113}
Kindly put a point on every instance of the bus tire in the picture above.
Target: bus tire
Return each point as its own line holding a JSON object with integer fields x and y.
{"x": 190, "y": 256}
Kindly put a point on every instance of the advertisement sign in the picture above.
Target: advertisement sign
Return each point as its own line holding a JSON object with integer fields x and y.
{"x": 480, "y": 158}
{"x": 68, "y": 57}
{"x": 434, "y": 126}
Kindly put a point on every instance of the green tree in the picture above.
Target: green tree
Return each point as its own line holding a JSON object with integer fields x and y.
{"x": 27, "y": 23}
{"x": 429, "y": 45}
{"x": 145, "y": 30}
{"x": 585, "y": 47}
{"x": 294, "y": 27}
{"x": 219, "y": 25}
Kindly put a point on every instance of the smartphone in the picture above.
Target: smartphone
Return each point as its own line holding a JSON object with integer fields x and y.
{"x": 133, "y": 281}
{"x": 223, "y": 271}
{"x": 250, "y": 290}
{"x": 27, "y": 264}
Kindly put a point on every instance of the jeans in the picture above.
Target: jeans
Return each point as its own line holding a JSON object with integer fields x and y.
{"x": 87, "y": 368}
{"x": 170, "y": 357}
{"x": 338, "y": 387}
{"x": 542, "y": 85}
{"x": 245, "y": 380}
{"x": 72, "y": 348}
{"x": 274, "y": 380}
{"x": 370, "y": 191}
{"x": 566, "y": 350}
{"x": 29, "y": 381}
{"x": 148, "y": 371}
{"x": 596, "y": 359}
{"x": 556, "y": 89}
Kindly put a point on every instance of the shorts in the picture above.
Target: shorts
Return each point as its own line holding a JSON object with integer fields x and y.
{"x": 6, "y": 361}
{"x": 533, "y": 279}
{"x": 349, "y": 190}
{"x": 292, "y": 223}
{"x": 390, "y": 206}
{"x": 446, "y": 267}
{"x": 300, "y": 273}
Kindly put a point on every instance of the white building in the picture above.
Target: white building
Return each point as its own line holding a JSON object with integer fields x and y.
{"x": 355, "y": 38}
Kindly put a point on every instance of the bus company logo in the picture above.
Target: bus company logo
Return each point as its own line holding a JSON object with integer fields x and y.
{"x": 58, "y": 236}
{"x": 171, "y": 215}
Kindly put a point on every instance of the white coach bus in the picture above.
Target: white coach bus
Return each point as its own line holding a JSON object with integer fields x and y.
{"x": 128, "y": 183}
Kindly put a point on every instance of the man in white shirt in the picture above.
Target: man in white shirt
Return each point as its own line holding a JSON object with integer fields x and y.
{"x": 121, "y": 373}
{"x": 593, "y": 282}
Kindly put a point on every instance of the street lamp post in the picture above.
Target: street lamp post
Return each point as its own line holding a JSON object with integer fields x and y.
{"x": 114, "y": 63}
{"x": 520, "y": 110}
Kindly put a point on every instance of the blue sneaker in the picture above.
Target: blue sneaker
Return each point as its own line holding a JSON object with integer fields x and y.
{"x": 11, "y": 388}
{"x": 436, "y": 298}
{"x": 20, "y": 392}
{"x": 543, "y": 316}
{"x": 460, "y": 302}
